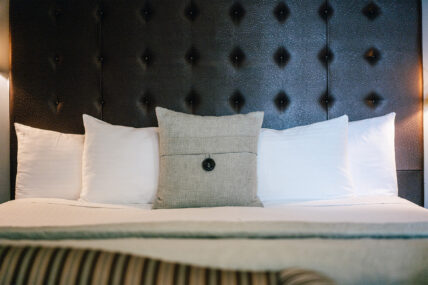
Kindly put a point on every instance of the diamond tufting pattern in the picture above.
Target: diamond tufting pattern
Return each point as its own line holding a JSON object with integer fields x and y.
{"x": 300, "y": 61}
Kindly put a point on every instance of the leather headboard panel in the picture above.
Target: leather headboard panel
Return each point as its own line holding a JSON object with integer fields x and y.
{"x": 300, "y": 61}
{"x": 376, "y": 69}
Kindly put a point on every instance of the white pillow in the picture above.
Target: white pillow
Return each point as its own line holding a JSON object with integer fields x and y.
{"x": 304, "y": 163}
{"x": 49, "y": 164}
{"x": 120, "y": 164}
{"x": 372, "y": 156}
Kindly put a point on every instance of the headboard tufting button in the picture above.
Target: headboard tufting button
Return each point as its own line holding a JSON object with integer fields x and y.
{"x": 56, "y": 105}
{"x": 57, "y": 12}
{"x": 326, "y": 100}
{"x": 325, "y": 55}
{"x": 372, "y": 55}
{"x": 237, "y": 57}
{"x": 191, "y": 11}
{"x": 147, "y": 57}
{"x": 371, "y": 11}
{"x": 281, "y": 57}
{"x": 192, "y": 56}
{"x": 237, "y": 12}
{"x": 325, "y": 11}
{"x": 192, "y": 100}
{"x": 146, "y": 101}
{"x": 281, "y": 12}
{"x": 147, "y": 12}
{"x": 373, "y": 100}
{"x": 281, "y": 101}
{"x": 237, "y": 101}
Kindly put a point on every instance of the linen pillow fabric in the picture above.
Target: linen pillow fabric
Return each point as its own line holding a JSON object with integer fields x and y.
{"x": 49, "y": 164}
{"x": 372, "y": 156}
{"x": 207, "y": 161}
{"x": 120, "y": 164}
{"x": 305, "y": 163}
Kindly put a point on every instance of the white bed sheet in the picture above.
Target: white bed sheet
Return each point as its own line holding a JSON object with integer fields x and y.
{"x": 56, "y": 212}
{"x": 379, "y": 263}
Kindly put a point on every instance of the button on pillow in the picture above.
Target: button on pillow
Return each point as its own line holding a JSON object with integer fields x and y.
{"x": 207, "y": 161}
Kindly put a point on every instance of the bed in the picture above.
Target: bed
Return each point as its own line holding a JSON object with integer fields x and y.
{"x": 312, "y": 235}
{"x": 118, "y": 62}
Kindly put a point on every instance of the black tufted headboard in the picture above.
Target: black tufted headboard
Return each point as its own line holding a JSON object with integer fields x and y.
{"x": 300, "y": 61}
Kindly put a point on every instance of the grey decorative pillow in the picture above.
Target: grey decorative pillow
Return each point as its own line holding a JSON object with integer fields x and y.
{"x": 207, "y": 161}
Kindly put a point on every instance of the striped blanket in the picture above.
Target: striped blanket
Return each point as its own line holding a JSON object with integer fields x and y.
{"x": 56, "y": 265}
{"x": 352, "y": 253}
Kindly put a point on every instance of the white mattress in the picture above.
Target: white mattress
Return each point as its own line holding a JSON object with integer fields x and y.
{"x": 56, "y": 212}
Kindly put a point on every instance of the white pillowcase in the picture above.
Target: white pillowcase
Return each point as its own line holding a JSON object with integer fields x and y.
{"x": 120, "y": 164}
{"x": 49, "y": 164}
{"x": 372, "y": 156}
{"x": 304, "y": 163}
